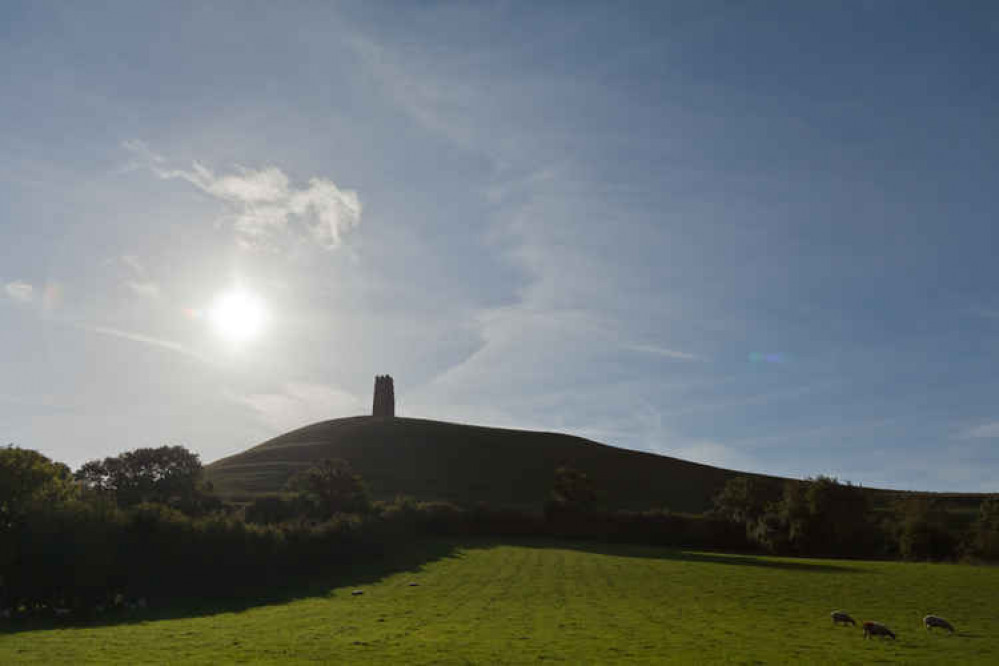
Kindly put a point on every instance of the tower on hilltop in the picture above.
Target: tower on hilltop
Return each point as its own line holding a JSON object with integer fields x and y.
{"x": 384, "y": 404}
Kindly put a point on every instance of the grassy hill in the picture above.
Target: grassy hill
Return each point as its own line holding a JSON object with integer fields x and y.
{"x": 467, "y": 464}
{"x": 434, "y": 460}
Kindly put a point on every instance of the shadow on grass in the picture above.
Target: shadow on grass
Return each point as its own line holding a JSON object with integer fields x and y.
{"x": 409, "y": 557}
{"x": 678, "y": 554}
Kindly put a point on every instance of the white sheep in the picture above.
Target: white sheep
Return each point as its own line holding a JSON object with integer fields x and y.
{"x": 931, "y": 621}
{"x": 839, "y": 616}
{"x": 136, "y": 604}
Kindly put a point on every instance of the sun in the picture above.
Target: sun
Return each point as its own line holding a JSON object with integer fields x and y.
{"x": 237, "y": 316}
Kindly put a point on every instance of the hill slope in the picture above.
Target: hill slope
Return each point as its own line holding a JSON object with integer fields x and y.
{"x": 467, "y": 464}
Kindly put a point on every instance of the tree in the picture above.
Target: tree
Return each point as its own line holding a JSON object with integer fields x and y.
{"x": 27, "y": 478}
{"x": 331, "y": 487}
{"x": 922, "y": 531}
{"x": 816, "y": 516}
{"x": 826, "y": 517}
{"x": 165, "y": 475}
{"x": 754, "y": 503}
{"x": 573, "y": 490}
{"x": 269, "y": 509}
{"x": 745, "y": 499}
{"x": 985, "y": 531}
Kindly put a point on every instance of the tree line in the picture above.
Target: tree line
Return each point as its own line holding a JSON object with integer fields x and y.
{"x": 824, "y": 517}
{"x": 146, "y": 524}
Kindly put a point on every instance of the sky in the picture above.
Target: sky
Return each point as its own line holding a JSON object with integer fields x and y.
{"x": 756, "y": 235}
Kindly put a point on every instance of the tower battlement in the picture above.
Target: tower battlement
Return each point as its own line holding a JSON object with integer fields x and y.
{"x": 384, "y": 402}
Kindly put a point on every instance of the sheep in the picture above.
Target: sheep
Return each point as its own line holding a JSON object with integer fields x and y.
{"x": 136, "y": 604}
{"x": 931, "y": 621}
{"x": 877, "y": 629}
{"x": 357, "y": 593}
{"x": 840, "y": 616}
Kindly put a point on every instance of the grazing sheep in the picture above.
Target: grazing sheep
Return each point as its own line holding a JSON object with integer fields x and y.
{"x": 931, "y": 621}
{"x": 877, "y": 629}
{"x": 136, "y": 604}
{"x": 840, "y": 616}
{"x": 356, "y": 593}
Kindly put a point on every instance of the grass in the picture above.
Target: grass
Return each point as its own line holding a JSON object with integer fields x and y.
{"x": 465, "y": 464}
{"x": 434, "y": 460}
{"x": 534, "y": 601}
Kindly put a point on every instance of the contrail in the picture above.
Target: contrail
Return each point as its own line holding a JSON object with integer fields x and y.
{"x": 144, "y": 339}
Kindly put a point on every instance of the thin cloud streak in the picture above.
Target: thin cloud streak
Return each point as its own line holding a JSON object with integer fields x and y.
{"x": 665, "y": 352}
{"x": 144, "y": 339}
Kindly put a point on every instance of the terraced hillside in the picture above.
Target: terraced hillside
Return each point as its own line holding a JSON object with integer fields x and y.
{"x": 434, "y": 460}
{"x": 468, "y": 464}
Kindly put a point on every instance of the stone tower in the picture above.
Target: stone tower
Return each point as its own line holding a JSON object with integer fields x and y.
{"x": 384, "y": 404}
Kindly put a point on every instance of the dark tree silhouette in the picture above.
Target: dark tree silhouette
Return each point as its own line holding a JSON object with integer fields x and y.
{"x": 573, "y": 490}
{"x": 166, "y": 475}
{"x": 985, "y": 531}
{"x": 818, "y": 516}
{"x": 745, "y": 499}
{"x": 331, "y": 487}
{"x": 922, "y": 529}
{"x": 28, "y": 478}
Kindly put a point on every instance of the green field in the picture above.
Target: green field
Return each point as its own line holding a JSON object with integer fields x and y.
{"x": 532, "y": 601}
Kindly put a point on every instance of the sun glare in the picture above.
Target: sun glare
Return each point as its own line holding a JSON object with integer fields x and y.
{"x": 237, "y": 316}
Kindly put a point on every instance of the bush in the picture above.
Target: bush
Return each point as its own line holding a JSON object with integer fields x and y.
{"x": 921, "y": 530}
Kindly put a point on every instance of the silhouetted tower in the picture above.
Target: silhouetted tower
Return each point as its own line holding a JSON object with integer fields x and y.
{"x": 384, "y": 404}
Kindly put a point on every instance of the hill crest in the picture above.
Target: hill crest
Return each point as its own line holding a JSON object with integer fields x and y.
{"x": 466, "y": 464}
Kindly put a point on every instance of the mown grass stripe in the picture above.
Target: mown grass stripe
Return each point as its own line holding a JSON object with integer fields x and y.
{"x": 573, "y": 603}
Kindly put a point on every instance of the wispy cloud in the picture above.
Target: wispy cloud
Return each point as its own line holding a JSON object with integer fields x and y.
{"x": 136, "y": 278}
{"x": 981, "y": 431}
{"x": 20, "y": 291}
{"x": 664, "y": 352}
{"x": 710, "y": 453}
{"x": 985, "y": 312}
{"x": 265, "y": 208}
{"x": 143, "y": 289}
{"x": 435, "y": 105}
{"x": 301, "y": 403}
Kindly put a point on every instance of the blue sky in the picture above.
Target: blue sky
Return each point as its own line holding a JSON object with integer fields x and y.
{"x": 756, "y": 235}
